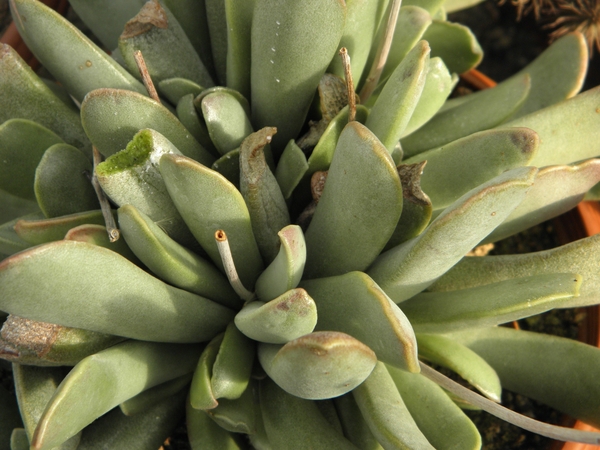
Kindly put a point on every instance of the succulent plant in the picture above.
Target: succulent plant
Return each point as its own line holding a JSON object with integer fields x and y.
{"x": 206, "y": 223}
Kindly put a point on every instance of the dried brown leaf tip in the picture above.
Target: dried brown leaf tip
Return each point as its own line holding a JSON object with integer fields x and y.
{"x": 578, "y": 15}
{"x": 151, "y": 15}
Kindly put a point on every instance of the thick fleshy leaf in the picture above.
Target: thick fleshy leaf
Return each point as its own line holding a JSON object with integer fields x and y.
{"x": 438, "y": 86}
{"x": 239, "y": 27}
{"x": 318, "y": 365}
{"x": 167, "y": 51}
{"x": 455, "y": 44}
{"x": 150, "y": 397}
{"x": 111, "y": 118}
{"x": 228, "y": 165}
{"x": 262, "y": 194}
{"x": 491, "y": 304}
{"x": 239, "y": 415}
{"x": 462, "y": 360}
{"x": 23, "y": 95}
{"x": 285, "y": 318}
{"x": 22, "y": 145}
{"x": 386, "y": 414}
{"x": 556, "y": 125}
{"x": 284, "y": 75}
{"x": 582, "y": 257}
{"x": 291, "y": 169}
{"x": 557, "y": 74}
{"x": 27, "y": 341}
{"x": 398, "y": 99}
{"x": 226, "y": 121}
{"x": 217, "y": 26}
{"x": 18, "y": 438}
{"x": 10, "y": 242}
{"x": 34, "y": 387}
{"x": 188, "y": 116}
{"x": 175, "y": 88}
{"x": 490, "y": 108}
{"x": 454, "y": 169}
{"x": 114, "y": 429}
{"x": 556, "y": 371}
{"x": 62, "y": 182}
{"x": 132, "y": 177}
{"x": 443, "y": 423}
{"x": 556, "y": 190}
{"x": 285, "y": 271}
{"x": 205, "y": 434}
{"x": 354, "y": 304}
{"x": 171, "y": 261}
{"x": 9, "y": 414}
{"x": 134, "y": 304}
{"x": 362, "y": 19}
{"x": 431, "y": 6}
{"x": 208, "y": 202}
{"x": 39, "y": 231}
{"x": 12, "y": 208}
{"x": 201, "y": 394}
{"x": 355, "y": 217}
{"x": 409, "y": 268}
{"x": 354, "y": 426}
{"x": 296, "y": 424}
{"x": 106, "y": 379}
{"x": 79, "y": 64}
{"x": 98, "y": 235}
{"x": 233, "y": 365}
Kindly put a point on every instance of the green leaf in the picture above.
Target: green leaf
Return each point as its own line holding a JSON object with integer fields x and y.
{"x": 23, "y": 95}
{"x": 443, "y": 423}
{"x": 411, "y": 267}
{"x": 171, "y": 261}
{"x": 462, "y": 360}
{"x": 582, "y": 257}
{"x": 167, "y": 51}
{"x": 491, "y": 304}
{"x": 132, "y": 177}
{"x": 112, "y": 117}
{"x": 355, "y": 216}
{"x": 226, "y": 120}
{"x": 262, "y": 194}
{"x": 562, "y": 373}
{"x": 175, "y": 88}
{"x": 157, "y": 394}
{"x": 238, "y": 14}
{"x": 556, "y": 190}
{"x": 10, "y": 242}
{"x": 133, "y": 304}
{"x": 455, "y": 168}
{"x": 354, "y": 426}
{"x": 289, "y": 316}
{"x": 22, "y": 145}
{"x": 557, "y": 74}
{"x": 79, "y": 64}
{"x": 487, "y": 109}
{"x": 98, "y": 235}
{"x": 282, "y": 90}
{"x": 233, "y": 364}
{"x": 208, "y": 202}
{"x": 239, "y": 415}
{"x": 62, "y": 182}
{"x": 106, "y": 19}
{"x": 318, "y": 365}
{"x": 457, "y": 5}
{"x": 205, "y": 434}
{"x": 291, "y": 169}
{"x": 40, "y": 231}
{"x": 296, "y": 424}
{"x": 285, "y": 271}
{"x": 568, "y": 131}
{"x": 217, "y": 26}
{"x": 18, "y": 439}
{"x": 106, "y": 379}
{"x": 188, "y": 116}
{"x": 354, "y": 304}
{"x": 228, "y": 165}
{"x": 201, "y": 394}
{"x": 114, "y": 429}
{"x": 455, "y": 44}
{"x": 27, "y": 341}
{"x": 386, "y": 414}
{"x": 398, "y": 99}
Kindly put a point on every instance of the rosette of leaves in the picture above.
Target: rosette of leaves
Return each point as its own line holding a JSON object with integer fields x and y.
{"x": 289, "y": 261}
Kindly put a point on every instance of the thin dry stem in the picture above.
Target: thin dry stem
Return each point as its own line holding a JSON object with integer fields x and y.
{"x": 383, "y": 50}
{"x": 109, "y": 220}
{"x": 229, "y": 265}
{"x": 147, "y": 80}
{"x": 349, "y": 84}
